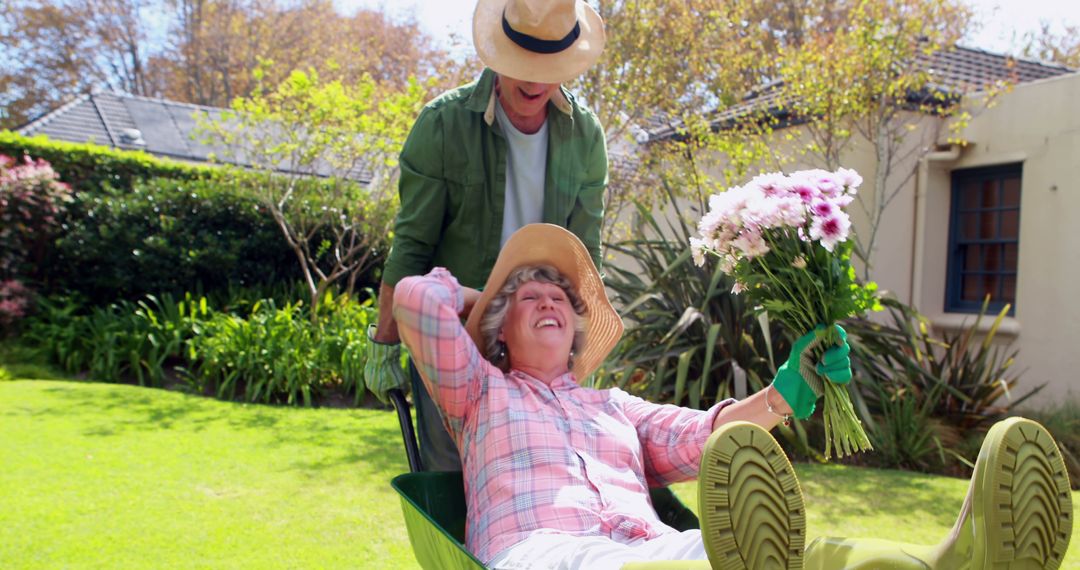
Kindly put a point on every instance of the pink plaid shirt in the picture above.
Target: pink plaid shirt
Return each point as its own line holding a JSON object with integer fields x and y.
{"x": 538, "y": 458}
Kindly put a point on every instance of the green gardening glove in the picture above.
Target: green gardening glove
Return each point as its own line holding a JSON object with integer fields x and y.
{"x": 382, "y": 370}
{"x": 800, "y": 392}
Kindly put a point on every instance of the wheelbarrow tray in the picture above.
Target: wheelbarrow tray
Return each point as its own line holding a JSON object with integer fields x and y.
{"x": 433, "y": 504}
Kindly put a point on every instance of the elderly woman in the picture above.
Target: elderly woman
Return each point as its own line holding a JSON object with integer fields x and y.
{"x": 556, "y": 474}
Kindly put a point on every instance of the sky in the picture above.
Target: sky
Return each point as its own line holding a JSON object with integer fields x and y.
{"x": 1002, "y": 22}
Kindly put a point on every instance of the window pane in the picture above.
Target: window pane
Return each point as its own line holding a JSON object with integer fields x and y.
{"x": 992, "y": 258}
{"x": 969, "y": 195}
{"x": 971, "y": 288}
{"x": 1011, "y": 191}
{"x": 1011, "y": 254}
{"x": 988, "y": 225}
{"x": 1008, "y": 289}
{"x": 1010, "y": 224}
{"x": 990, "y": 285}
{"x": 990, "y": 193}
{"x": 972, "y": 256}
{"x": 969, "y": 226}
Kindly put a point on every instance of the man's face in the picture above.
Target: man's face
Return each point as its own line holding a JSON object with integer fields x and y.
{"x": 524, "y": 99}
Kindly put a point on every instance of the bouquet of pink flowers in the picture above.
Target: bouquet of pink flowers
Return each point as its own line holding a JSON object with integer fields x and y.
{"x": 784, "y": 239}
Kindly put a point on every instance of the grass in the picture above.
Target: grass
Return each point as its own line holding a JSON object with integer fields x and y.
{"x": 112, "y": 476}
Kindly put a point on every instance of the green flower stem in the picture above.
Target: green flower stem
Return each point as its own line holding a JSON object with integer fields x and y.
{"x": 842, "y": 427}
{"x": 791, "y": 296}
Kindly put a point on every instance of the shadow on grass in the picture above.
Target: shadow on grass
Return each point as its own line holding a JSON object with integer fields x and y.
{"x": 335, "y": 437}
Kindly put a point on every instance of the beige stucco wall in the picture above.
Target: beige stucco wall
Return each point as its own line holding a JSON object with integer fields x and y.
{"x": 1037, "y": 124}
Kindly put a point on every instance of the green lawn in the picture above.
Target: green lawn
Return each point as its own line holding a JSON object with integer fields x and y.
{"x": 108, "y": 476}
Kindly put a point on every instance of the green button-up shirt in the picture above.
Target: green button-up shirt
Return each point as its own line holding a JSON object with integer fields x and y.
{"x": 453, "y": 183}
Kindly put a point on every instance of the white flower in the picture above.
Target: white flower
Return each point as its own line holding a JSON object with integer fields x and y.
{"x": 822, "y": 208}
{"x": 727, "y": 264}
{"x": 799, "y": 262}
{"x": 770, "y": 184}
{"x": 697, "y": 250}
{"x": 830, "y": 231}
{"x": 850, "y": 179}
{"x": 737, "y": 288}
{"x": 790, "y": 211}
{"x": 750, "y": 244}
{"x": 824, "y": 181}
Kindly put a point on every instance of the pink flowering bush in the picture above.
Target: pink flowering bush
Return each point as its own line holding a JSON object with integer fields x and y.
{"x": 32, "y": 199}
{"x": 15, "y": 303}
{"x": 784, "y": 239}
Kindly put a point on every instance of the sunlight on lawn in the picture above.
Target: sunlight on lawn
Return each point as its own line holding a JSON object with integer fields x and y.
{"x": 119, "y": 476}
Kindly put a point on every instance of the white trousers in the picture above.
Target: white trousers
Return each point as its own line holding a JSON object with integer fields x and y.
{"x": 561, "y": 552}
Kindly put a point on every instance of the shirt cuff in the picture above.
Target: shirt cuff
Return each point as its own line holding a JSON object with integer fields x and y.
{"x": 443, "y": 275}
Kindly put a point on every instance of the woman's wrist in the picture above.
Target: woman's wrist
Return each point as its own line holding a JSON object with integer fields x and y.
{"x": 776, "y": 405}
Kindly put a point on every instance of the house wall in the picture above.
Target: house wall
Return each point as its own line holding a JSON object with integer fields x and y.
{"x": 1037, "y": 124}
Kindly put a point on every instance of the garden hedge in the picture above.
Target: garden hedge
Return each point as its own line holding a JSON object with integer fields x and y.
{"x": 89, "y": 167}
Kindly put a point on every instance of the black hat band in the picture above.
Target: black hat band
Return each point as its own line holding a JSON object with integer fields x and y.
{"x": 536, "y": 45}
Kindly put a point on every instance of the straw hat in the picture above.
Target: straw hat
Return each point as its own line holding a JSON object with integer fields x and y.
{"x": 546, "y": 41}
{"x": 548, "y": 244}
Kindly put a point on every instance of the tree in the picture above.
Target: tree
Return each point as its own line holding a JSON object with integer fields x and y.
{"x": 56, "y": 49}
{"x": 305, "y": 137}
{"x": 215, "y": 45}
{"x": 1048, "y": 46}
{"x": 869, "y": 82}
{"x": 666, "y": 61}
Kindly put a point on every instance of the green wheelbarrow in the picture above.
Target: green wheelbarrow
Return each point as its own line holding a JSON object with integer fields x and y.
{"x": 433, "y": 505}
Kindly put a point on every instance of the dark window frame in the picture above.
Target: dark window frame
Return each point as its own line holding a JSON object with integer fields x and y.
{"x": 960, "y": 247}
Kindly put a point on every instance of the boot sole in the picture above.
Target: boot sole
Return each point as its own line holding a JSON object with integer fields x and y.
{"x": 751, "y": 506}
{"x": 1023, "y": 502}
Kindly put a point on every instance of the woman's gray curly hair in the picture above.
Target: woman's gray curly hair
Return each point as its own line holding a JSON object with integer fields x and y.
{"x": 491, "y": 323}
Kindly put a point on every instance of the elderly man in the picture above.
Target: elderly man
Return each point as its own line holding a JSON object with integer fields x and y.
{"x": 487, "y": 158}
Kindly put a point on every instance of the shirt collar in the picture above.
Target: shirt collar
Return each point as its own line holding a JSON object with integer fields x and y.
{"x": 483, "y": 98}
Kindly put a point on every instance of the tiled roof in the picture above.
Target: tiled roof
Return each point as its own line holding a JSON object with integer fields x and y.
{"x": 157, "y": 126}
{"x": 954, "y": 70}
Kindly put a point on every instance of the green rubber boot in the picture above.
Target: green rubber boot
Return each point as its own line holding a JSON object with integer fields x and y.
{"x": 1017, "y": 515}
{"x": 749, "y": 501}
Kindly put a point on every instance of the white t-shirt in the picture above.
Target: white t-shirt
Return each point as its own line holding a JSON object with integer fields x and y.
{"x": 526, "y": 170}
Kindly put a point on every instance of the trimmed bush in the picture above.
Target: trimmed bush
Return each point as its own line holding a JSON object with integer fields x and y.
{"x": 89, "y": 167}
{"x": 167, "y": 236}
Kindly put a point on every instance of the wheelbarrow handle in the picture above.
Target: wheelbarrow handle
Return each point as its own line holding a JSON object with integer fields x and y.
{"x": 408, "y": 434}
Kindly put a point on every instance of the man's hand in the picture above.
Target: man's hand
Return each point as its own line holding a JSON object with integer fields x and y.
{"x": 382, "y": 370}
{"x": 802, "y": 393}
{"x": 471, "y": 297}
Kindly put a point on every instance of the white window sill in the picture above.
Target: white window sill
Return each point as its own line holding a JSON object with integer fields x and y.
{"x": 953, "y": 322}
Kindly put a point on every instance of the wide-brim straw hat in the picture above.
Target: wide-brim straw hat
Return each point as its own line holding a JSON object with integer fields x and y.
{"x": 548, "y": 244}
{"x": 546, "y": 41}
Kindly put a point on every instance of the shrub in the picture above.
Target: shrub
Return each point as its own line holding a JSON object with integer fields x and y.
{"x": 122, "y": 342}
{"x": 89, "y": 167}
{"x": 15, "y": 303}
{"x": 1062, "y": 420}
{"x": 928, "y": 392}
{"x": 167, "y": 236}
{"x": 32, "y": 200}
{"x": 276, "y": 355}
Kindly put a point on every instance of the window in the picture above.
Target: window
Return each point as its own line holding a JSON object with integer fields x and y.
{"x": 984, "y": 238}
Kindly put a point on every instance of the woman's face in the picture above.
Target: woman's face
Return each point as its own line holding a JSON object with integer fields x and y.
{"x": 539, "y": 326}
